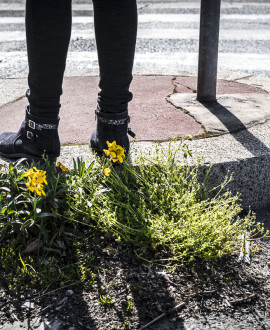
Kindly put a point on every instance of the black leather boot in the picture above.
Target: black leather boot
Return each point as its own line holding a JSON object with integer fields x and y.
{"x": 111, "y": 127}
{"x": 37, "y": 136}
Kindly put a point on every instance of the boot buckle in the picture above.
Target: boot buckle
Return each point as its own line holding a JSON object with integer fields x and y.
{"x": 131, "y": 133}
{"x": 31, "y": 124}
{"x": 29, "y": 135}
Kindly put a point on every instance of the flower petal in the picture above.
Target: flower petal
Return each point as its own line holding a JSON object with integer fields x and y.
{"x": 107, "y": 171}
{"x": 113, "y": 154}
{"x": 107, "y": 153}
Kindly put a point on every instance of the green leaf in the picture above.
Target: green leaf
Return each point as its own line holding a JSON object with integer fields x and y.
{"x": 16, "y": 221}
{"x": 23, "y": 212}
{"x": 28, "y": 223}
{"x": 47, "y": 214}
{"x": 90, "y": 167}
{"x": 6, "y": 189}
{"x": 102, "y": 191}
{"x": 89, "y": 204}
{"x": 24, "y": 266}
{"x": 82, "y": 169}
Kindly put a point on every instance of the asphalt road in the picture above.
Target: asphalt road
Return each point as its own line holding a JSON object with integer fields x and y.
{"x": 167, "y": 38}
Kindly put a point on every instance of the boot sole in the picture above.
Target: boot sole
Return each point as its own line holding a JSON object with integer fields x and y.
{"x": 22, "y": 155}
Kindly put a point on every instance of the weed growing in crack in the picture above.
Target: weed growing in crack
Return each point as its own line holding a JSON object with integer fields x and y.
{"x": 157, "y": 205}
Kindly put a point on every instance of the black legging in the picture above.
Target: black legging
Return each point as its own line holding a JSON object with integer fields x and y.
{"x": 48, "y": 30}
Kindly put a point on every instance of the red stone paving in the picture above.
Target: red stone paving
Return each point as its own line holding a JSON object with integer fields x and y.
{"x": 152, "y": 117}
{"x": 189, "y": 85}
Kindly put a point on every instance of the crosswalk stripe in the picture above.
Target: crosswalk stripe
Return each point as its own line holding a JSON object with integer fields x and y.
{"x": 21, "y": 7}
{"x": 171, "y": 5}
{"x": 21, "y": 20}
{"x": 155, "y": 18}
{"x": 191, "y": 4}
{"x": 175, "y": 34}
{"x": 159, "y": 61}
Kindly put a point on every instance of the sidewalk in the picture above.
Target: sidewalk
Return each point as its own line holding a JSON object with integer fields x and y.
{"x": 233, "y": 136}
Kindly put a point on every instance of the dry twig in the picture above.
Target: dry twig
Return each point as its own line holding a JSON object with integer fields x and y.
{"x": 50, "y": 292}
{"x": 237, "y": 301}
{"x": 162, "y": 315}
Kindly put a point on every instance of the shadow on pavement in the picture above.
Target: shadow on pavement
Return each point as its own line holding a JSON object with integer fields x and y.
{"x": 250, "y": 142}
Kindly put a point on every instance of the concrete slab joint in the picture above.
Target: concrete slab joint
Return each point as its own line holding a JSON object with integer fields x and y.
{"x": 239, "y": 106}
{"x": 231, "y": 112}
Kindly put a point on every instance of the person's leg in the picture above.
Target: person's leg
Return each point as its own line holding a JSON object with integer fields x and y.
{"x": 48, "y": 29}
{"x": 116, "y": 30}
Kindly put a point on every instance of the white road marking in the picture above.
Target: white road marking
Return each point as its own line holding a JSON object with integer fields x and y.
{"x": 172, "y": 5}
{"x": 156, "y": 18}
{"x": 176, "y": 34}
{"x": 226, "y": 61}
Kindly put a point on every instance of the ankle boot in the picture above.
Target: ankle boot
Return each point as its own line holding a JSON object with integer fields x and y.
{"x": 37, "y": 136}
{"x": 111, "y": 127}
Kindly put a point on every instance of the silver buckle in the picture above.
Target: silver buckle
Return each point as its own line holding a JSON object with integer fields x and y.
{"x": 29, "y": 135}
{"x": 31, "y": 124}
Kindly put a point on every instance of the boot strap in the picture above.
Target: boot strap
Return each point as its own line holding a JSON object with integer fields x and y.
{"x": 131, "y": 133}
{"x": 115, "y": 121}
{"x": 30, "y": 123}
{"x": 112, "y": 121}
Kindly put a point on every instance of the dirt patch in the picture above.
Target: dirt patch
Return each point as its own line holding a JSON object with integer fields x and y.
{"x": 129, "y": 293}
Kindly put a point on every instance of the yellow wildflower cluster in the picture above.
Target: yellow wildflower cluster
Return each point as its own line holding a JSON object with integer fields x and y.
{"x": 36, "y": 180}
{"x": 116, "y": 152}
{"x": 107, "y": 171}
{"x": 61, "y": 166}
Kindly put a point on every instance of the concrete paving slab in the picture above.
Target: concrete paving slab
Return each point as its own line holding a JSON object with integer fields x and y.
{"x": 261, "y": 82}
{"x": 161, "y": 121}
{"x": 231, "y": 112}
{"x": 12, "y": 89}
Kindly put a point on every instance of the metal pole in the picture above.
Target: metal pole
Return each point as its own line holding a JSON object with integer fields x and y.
{"x": 208, "y": 50}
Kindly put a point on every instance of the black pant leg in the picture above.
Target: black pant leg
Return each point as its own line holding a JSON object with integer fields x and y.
{"x": 48, "y": 30}
{"x": 116, "y": 30}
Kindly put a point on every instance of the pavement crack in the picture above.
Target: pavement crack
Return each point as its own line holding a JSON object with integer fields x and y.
{"x": 188, "y": 113}
{"x": 245, "y": 77}
{"x": 13, "y": 101}
{"x": 174, "y": 86}
{"x": 174, "y": 89}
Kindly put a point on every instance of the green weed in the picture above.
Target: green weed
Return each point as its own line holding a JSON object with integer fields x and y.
{"x": 159, "y": 206}
{"x": 105, "y": 300}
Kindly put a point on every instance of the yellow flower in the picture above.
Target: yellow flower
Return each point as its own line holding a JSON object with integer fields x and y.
{"x": 111, "y": 145}
{"x": 107, "y": 171}
{"x": 36, "y": 180}
{"x": 116, "y": 152}
{"x": 61, "y": 166}
{"x": 39, "y": 189}
{"x": 30, "y": 187}
{"x": 29, "y": 173}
